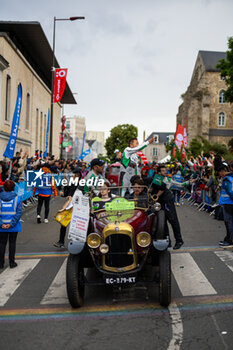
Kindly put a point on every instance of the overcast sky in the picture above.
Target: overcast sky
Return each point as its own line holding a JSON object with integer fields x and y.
{"x": 130, "y": 60}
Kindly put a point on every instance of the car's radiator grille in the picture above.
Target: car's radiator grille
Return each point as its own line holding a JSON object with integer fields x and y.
{"x": 120, "y": 251}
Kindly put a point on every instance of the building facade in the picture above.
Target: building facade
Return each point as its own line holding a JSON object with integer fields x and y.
{"x": 156, "y": 151}
{"x": 76, "y": 127}
{"x": 99, "y": 138}
{"x": 204, "y": 108}
{"x": 27, "y": 61}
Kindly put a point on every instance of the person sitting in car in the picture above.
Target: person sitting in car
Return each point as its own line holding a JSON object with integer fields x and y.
{"x": 105, "y": 195}
{"x": 139, "y": 194}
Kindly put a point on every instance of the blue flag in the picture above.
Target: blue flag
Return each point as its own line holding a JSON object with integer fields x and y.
{"x": 84, "y": 154}
{"x": 84, "y": 137}
{"x": 77, "y": 148}
{"x": 47, "y": 136}
{"x": 10, "y": 148}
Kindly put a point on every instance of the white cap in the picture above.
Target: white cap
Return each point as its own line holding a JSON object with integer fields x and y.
{"x": 116, "y": 150}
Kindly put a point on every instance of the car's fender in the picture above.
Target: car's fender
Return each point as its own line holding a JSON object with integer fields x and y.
{"x": 75, "y": 247}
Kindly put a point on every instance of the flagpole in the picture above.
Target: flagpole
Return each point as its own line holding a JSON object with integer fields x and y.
{"x": 52, "y": 82}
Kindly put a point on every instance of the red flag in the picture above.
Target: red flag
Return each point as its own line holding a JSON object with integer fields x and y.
{"x": 179, "y": 138}
{"x": 63, "y": 123}
{"x": 143, "y": 157}
{"x": 185, "y": 141}
{"x": 59, "y": 83}
{"x": 61, "y": 138}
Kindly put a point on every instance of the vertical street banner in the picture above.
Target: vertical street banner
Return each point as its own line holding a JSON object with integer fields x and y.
{"x": 47, "y": 136}
{"x": 84, "y": 137}
{"x": 10, "y": 148}
{"x": 179, "y": 136}
{"x": 59, "y": 83}
{"x": 185, "y": 140}
{"x": 77, "y": 148}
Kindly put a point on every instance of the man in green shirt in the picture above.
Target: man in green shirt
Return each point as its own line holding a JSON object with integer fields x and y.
{"x": 97, "y": 167}
{"x": 129, "y": 163}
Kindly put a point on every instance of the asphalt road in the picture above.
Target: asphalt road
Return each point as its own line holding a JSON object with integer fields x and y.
{"x": 35, "y": 313}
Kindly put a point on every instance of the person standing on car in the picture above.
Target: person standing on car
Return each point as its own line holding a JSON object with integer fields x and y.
{"x": 167, "y": 203}
{"x": 129, "y": 162}
{"x": 10, "y": 225}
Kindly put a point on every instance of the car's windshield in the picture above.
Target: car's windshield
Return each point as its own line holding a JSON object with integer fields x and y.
{"x": 110, "y": 199}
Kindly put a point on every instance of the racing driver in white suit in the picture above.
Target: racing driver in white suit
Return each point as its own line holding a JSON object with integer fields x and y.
{"x": 129, "y": 163}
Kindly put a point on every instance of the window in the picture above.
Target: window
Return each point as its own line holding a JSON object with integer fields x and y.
{"x": 156, "y": 138}
{"x": 27, "y": 112}
{"x": 221, "y": 119}
{"x": 8, "y": 97}
{"x": 221, "y": 97}
{"x": 155, "y": 152}
{"x": 37, "y": 129}
{"x": 67, "y": 124}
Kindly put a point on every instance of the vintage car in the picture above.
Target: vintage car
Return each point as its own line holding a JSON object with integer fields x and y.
{"x": 124, "y": 236}
{"x": 113, "y": 174}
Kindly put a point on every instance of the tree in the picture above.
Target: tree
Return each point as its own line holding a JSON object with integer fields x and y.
{"x": 119, "y": 138}
{"x": 226, "y": 71}
{"x": 230, "y": 144}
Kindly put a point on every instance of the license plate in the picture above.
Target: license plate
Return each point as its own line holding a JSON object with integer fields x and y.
{"x": 120, "y": 280}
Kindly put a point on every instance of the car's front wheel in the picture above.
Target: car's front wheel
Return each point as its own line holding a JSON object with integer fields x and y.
{"x": 75, "y": 281}
{"x": 165, "y": 278}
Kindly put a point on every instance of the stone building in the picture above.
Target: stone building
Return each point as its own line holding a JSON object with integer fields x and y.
{"x": 76, "y": 126}
{"x": 26, "y": 58}
{"x": 203, "y": 105}
{"x": 156, "y": 151}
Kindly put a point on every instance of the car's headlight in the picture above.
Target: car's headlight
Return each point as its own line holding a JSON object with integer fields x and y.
{"x": 93, "y": 240}
{"x": 157, "y": 206}
{"x": 143, "y": 239}
{"x": 104, "y": 248}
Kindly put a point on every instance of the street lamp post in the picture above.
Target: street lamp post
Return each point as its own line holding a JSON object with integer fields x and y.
{"x": 52, "y": 83}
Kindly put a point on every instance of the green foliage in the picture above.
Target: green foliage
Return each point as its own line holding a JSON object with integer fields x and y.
{"x": 230, "y": 145}
{"x": 169, "y": 146}
{"x": 104, "y": 158}
{"x": 119, "y": 138}
{"x": 226, "y": 71}
{"x": 200, "y": 144}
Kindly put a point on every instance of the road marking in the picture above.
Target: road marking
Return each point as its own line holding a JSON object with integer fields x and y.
{"x": 10, "y": 279}
{"x": 219, "y": 332}
{"x": 56, "y": 293}
{"x": 190, "y": 279}
{"x": 227, "y": 258}
{"x": 177, "y": 328}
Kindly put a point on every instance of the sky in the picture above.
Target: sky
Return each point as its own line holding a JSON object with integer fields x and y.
{"x": 129, "y": 61}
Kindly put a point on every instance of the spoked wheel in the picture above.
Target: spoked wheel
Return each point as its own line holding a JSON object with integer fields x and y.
{"x": 165, "y": 278}
{"x": 75, "y": 281}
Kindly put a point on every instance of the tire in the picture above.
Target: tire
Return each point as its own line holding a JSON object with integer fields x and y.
{"x": 160, "y": 229}
{"x": 75, "y": 281}
{"x": 165, "y": 278}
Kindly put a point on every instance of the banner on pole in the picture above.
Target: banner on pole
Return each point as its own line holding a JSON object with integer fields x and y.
{"x": 10, "y": 148}
{"x": 59, "y": 83}
{"x": 47, "y": 136}
{"x": 179, "y": 138}
{"x": 84, "y": 154}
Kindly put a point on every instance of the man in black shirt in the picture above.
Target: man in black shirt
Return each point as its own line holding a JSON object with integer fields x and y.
{"x": 167, "y": 203}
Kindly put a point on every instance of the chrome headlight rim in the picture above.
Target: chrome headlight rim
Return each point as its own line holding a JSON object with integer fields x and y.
{"x": 143, "y": 235}
{"x": 104, "y": 248}
{"x": 95, "y": 236}
{"x": 157, "y": 206}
